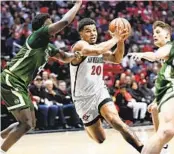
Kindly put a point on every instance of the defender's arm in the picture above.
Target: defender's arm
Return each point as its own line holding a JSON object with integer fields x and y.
{"x": 67, "y": 19}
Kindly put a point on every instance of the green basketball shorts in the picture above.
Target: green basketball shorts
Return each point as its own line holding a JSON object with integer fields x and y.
{"x": 14, "y": 92}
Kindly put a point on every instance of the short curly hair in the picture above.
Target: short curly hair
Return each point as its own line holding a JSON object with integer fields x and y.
{"x": 39, "y": 20}
{"x": 84, "y": 22}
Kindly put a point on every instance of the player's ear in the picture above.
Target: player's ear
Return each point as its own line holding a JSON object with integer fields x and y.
{"x": 81, "y": 34}
{"x": 168, "y": 35}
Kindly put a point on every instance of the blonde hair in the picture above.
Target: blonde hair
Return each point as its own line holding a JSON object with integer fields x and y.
{"x": 163, "y": 25}
{"x": 48, "y": 82}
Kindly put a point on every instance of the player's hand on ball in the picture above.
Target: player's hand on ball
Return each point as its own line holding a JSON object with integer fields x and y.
{"x": 136, "y": 56}
{"x": 124, "y": 34}
{"x": 120, "y": 34}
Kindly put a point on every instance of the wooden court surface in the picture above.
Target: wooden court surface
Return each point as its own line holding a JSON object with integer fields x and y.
{"x": 79, "y": 143}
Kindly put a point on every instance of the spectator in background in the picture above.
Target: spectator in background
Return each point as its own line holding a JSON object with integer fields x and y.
{"x": 59, "y": 43}
{"x": 45, "y": 76}
{"x": 136, "y": 93}
{"x": 132, "y": 104}
{"x": 137, "y": 101}
{"x": 148, "y": 93}
{"x": 122, "y": 78}
{"x": 38, "y": 98}
{"x": 54, "y": 100}
{"x": 69, "y": 108}
{"x": 125, "y": 112}
{"x": 53, "y": 77}
{"x": 128, "y": 81}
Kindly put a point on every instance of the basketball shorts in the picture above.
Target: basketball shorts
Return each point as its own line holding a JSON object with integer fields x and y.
{"x": 88, "y": 108}
{"x": 14, "y": 93}
{"x": 168, "y": 95}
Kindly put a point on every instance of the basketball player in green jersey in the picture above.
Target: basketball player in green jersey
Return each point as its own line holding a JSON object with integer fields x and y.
{"x": 23, "y": 68}
{"x": 164, "y": 86}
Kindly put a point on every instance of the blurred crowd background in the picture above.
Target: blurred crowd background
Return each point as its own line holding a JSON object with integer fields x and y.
{"x": 131, "y": 83}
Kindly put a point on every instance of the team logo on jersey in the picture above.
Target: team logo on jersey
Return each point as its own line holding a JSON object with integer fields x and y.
{"x": 85, "y": 117}
{"x": 95, "y": 60}
{"x": 47, "y": 53}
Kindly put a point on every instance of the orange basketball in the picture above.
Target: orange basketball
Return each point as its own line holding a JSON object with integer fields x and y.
{"x": 120, "y": 22}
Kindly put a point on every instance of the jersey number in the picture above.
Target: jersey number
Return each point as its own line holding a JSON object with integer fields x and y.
{"x": 96, "y": 70}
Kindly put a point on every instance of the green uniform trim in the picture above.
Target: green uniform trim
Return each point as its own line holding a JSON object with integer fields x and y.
{"x": 164, "y": 85}
{"x": 14, "y": 93}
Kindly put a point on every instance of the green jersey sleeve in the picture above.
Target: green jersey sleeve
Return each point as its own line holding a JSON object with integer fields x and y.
{"x": 52, "y": 50}
{"x": 39, "y": 38}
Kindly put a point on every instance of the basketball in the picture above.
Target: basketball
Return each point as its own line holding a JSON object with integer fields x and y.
{"x": 121, "y": 22}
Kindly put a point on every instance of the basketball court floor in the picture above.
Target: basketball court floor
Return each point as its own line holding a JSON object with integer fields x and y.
{"x": 79, "y": 143}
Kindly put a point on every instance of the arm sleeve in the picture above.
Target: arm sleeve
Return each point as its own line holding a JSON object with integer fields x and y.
{"x": 39, "y": 38}
{"x": 52, "y": 50}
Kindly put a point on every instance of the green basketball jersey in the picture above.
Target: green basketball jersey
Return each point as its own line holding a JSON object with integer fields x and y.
{"x": 33, "y": 56}
{"x": 165, "y": 79}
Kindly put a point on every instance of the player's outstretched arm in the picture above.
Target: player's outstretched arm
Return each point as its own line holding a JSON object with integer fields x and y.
{"x": 162, "y": 53}
{"x": 67, "y": 19}
{"x": 94, "y": 50}
{"x": 67, "y": 57}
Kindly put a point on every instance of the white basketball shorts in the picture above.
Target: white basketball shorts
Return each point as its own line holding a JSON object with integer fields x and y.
{"x": 88, "y": 108}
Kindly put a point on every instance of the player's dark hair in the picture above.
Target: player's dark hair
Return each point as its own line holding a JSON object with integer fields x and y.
{"x": 163, "y": 25}
{"x": 84, "y": 22}
{"x": 39, "y": 20}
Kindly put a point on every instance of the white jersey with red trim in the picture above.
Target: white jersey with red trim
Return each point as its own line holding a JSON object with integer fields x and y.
{"x": 87, "y": 77}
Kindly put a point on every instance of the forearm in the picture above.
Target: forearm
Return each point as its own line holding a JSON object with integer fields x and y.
{"x": 151, "y": 56}
{"x": 69, "y": 57}
{"x": 67, "y": 19}
{"x": 95, "y": 50}
{"x": 65, "y": 57}
{"x": 119, "y": 52}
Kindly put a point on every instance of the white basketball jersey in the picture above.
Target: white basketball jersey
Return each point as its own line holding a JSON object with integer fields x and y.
{"x": 87, "y": 77}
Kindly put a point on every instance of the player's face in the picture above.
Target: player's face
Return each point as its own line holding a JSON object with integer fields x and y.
{"x": 159, "y": 36}
{"x": 89, "y": 34}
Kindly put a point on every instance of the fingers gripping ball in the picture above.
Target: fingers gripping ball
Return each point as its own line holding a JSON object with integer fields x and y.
{"x": 119, "y": 23}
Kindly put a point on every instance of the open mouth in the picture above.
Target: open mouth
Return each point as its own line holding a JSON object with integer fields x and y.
{"x": 93, "y": 38}
{"x": 155, "y": 40}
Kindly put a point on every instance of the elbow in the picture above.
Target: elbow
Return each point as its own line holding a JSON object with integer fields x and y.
{"x": 66, "y": 22}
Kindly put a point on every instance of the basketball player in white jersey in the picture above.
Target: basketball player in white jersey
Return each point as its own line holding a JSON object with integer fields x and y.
{"x": 89, "y": 92}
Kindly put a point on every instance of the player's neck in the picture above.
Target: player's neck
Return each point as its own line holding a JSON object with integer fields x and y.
{"x": 165, "y": 42}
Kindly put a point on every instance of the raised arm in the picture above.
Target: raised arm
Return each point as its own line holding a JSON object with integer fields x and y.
{"x": 117, "y": 55}
{"x": 162, "y": 53}
{"x": 67, "y": 19}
